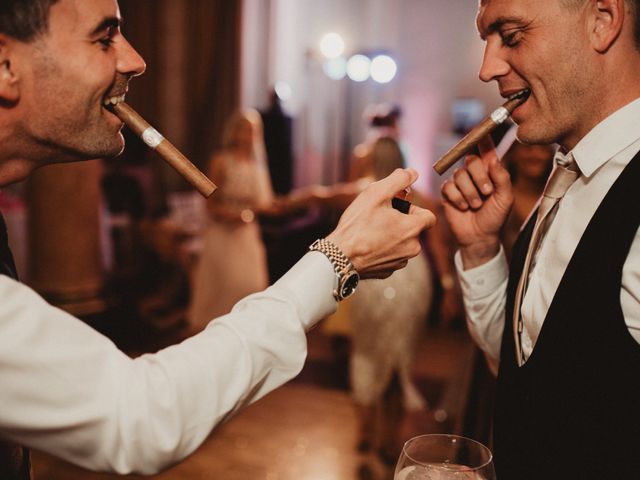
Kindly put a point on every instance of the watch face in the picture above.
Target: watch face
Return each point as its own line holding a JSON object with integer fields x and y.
{"x": 349, "y": 285}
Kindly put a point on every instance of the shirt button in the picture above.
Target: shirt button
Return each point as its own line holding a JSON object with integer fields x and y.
{"x": 480, "y": 281}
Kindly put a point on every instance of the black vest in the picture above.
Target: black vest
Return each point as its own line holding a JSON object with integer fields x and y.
{"x": 14, "y": 460}
{"x": 573, "y": 409}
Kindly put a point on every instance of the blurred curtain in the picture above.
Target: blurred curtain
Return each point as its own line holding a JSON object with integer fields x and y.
{"x": 206, "y": 35}
{"x": 213, "y": 76}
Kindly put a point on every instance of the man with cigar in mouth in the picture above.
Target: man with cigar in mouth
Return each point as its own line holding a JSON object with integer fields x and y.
{"x": 562, "y": 322}
{"x": 64, "y": 388}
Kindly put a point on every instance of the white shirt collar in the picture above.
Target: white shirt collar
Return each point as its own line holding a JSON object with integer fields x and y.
{"x": 608, "y": 138}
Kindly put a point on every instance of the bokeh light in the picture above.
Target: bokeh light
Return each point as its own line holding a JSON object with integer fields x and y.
{"x": 335, "y": 68}
{"x": 383, "y": 69}
{"x": 332, "y": 45}
{"x": 359, "y": 68}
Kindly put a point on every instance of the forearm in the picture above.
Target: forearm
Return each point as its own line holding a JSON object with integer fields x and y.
{"x": 67, "y": 390}
{"x": 484, "y": 291}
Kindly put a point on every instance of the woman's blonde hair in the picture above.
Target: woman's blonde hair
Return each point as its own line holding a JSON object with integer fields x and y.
{"x": 386, "y": 156}
{"x": 258, "y": 150}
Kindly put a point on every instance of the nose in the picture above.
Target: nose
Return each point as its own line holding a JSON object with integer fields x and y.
{"x": 493, "y": 65}
{"x": 129, "y": 62}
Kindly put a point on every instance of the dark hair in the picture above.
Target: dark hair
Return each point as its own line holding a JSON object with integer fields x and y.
{"x": 24, "y": 19}
{"x": 384, "y": 115}
{"x": 635, "y": 11}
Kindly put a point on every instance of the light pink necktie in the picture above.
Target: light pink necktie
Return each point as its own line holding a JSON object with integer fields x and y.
{"x": 559, "y": 182}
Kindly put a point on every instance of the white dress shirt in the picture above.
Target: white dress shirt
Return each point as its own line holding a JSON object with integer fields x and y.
{"x": 67, "y": 390}
{"x": 601, "y": 156}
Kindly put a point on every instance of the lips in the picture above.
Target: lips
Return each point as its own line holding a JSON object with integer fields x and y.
{"x": 512, "y": 94}
{"x": 521, "y": 94}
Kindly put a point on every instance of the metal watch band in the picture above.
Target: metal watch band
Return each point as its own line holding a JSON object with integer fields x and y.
{"x": 338, "y": 259}
{"x": 347, "y": 275}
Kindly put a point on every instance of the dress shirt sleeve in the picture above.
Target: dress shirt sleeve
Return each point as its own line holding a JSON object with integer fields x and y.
{"x": 67, "y": 390}
{"x": 484, "y": 291}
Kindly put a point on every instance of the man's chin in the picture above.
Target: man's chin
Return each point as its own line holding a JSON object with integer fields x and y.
{"x": 111, "y": 149}
{"x": 116, "y": 151}
{"x": 98, "y": 151}
{"x": 531, "y": 134}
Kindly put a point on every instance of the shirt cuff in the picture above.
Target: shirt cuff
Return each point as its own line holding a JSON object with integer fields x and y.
{"x": 312, "y": 281}
{"x": 478, "y": 282}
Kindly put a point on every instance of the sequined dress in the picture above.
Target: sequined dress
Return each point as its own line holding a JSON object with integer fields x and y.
{"x": 387, "y": 319}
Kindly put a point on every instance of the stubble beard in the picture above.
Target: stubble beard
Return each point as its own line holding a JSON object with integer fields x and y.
{"x": 70, "y": 126}
{"x": 558, "y": 120}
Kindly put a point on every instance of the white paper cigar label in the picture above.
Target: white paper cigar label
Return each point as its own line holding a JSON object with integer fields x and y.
{"x": 499, "y": 115}
{"x": 152, "y": 137}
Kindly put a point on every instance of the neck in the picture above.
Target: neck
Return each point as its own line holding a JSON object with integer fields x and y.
{"x": 20, "y": 155}
{"x": 615, "y": 85}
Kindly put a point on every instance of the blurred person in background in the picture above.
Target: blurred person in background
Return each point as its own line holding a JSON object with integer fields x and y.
{"x": 529, "y": 167}
{"x": 232, "y": 261}
{"x": 385, "y": 319}
{"x": 278, "y": 142}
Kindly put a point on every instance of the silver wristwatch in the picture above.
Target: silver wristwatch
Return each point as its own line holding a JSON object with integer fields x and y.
{"x": 348, "y": 277}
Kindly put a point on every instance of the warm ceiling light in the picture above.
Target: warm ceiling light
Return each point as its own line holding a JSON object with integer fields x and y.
{"x": 332, "y": 45}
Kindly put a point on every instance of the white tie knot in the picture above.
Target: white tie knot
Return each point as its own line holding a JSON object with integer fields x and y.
{"x": 560, "y": 180}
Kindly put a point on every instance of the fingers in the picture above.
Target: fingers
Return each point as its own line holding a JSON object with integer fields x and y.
{"x": 467, "y": 187}
{"x": 488, "y": 149}
{"x": 478, "y": 179}
{"x": 399, "y": 180}
{"x": 425, "y": 217}
{"x": 377, "y": 238}
{"x": 500, "y": 177}
{"x": 463, "y": 189}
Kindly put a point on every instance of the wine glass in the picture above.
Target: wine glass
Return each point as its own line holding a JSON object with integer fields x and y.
{"x": 444, "y": 457}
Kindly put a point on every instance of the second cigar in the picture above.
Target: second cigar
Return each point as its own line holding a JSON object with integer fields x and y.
{"x": 483, "y": 129}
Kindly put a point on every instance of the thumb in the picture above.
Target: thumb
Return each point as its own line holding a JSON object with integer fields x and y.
{"x": 499, "y": 176}
{"x": 397, "y": 181}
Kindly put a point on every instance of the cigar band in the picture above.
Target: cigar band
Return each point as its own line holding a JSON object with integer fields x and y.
{"x": 152, "y": 137}
{"x": 499, "y": 115}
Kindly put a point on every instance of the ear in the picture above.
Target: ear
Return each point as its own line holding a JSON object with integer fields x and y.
{"x": 9, "y": 92}
{"x": 606, "y": 20}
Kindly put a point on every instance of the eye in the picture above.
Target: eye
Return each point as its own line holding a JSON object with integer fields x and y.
{"x": 106, "y": 42}
{"x": 511, "y": 38}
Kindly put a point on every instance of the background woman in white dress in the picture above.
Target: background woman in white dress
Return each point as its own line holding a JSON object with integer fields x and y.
{"x": 233, "y": 263}
{"x": 386, "y": 317}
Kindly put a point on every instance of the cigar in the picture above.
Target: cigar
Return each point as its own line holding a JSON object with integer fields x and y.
{"x": 165, "y": 149}
{"x": 483, "y": 129}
